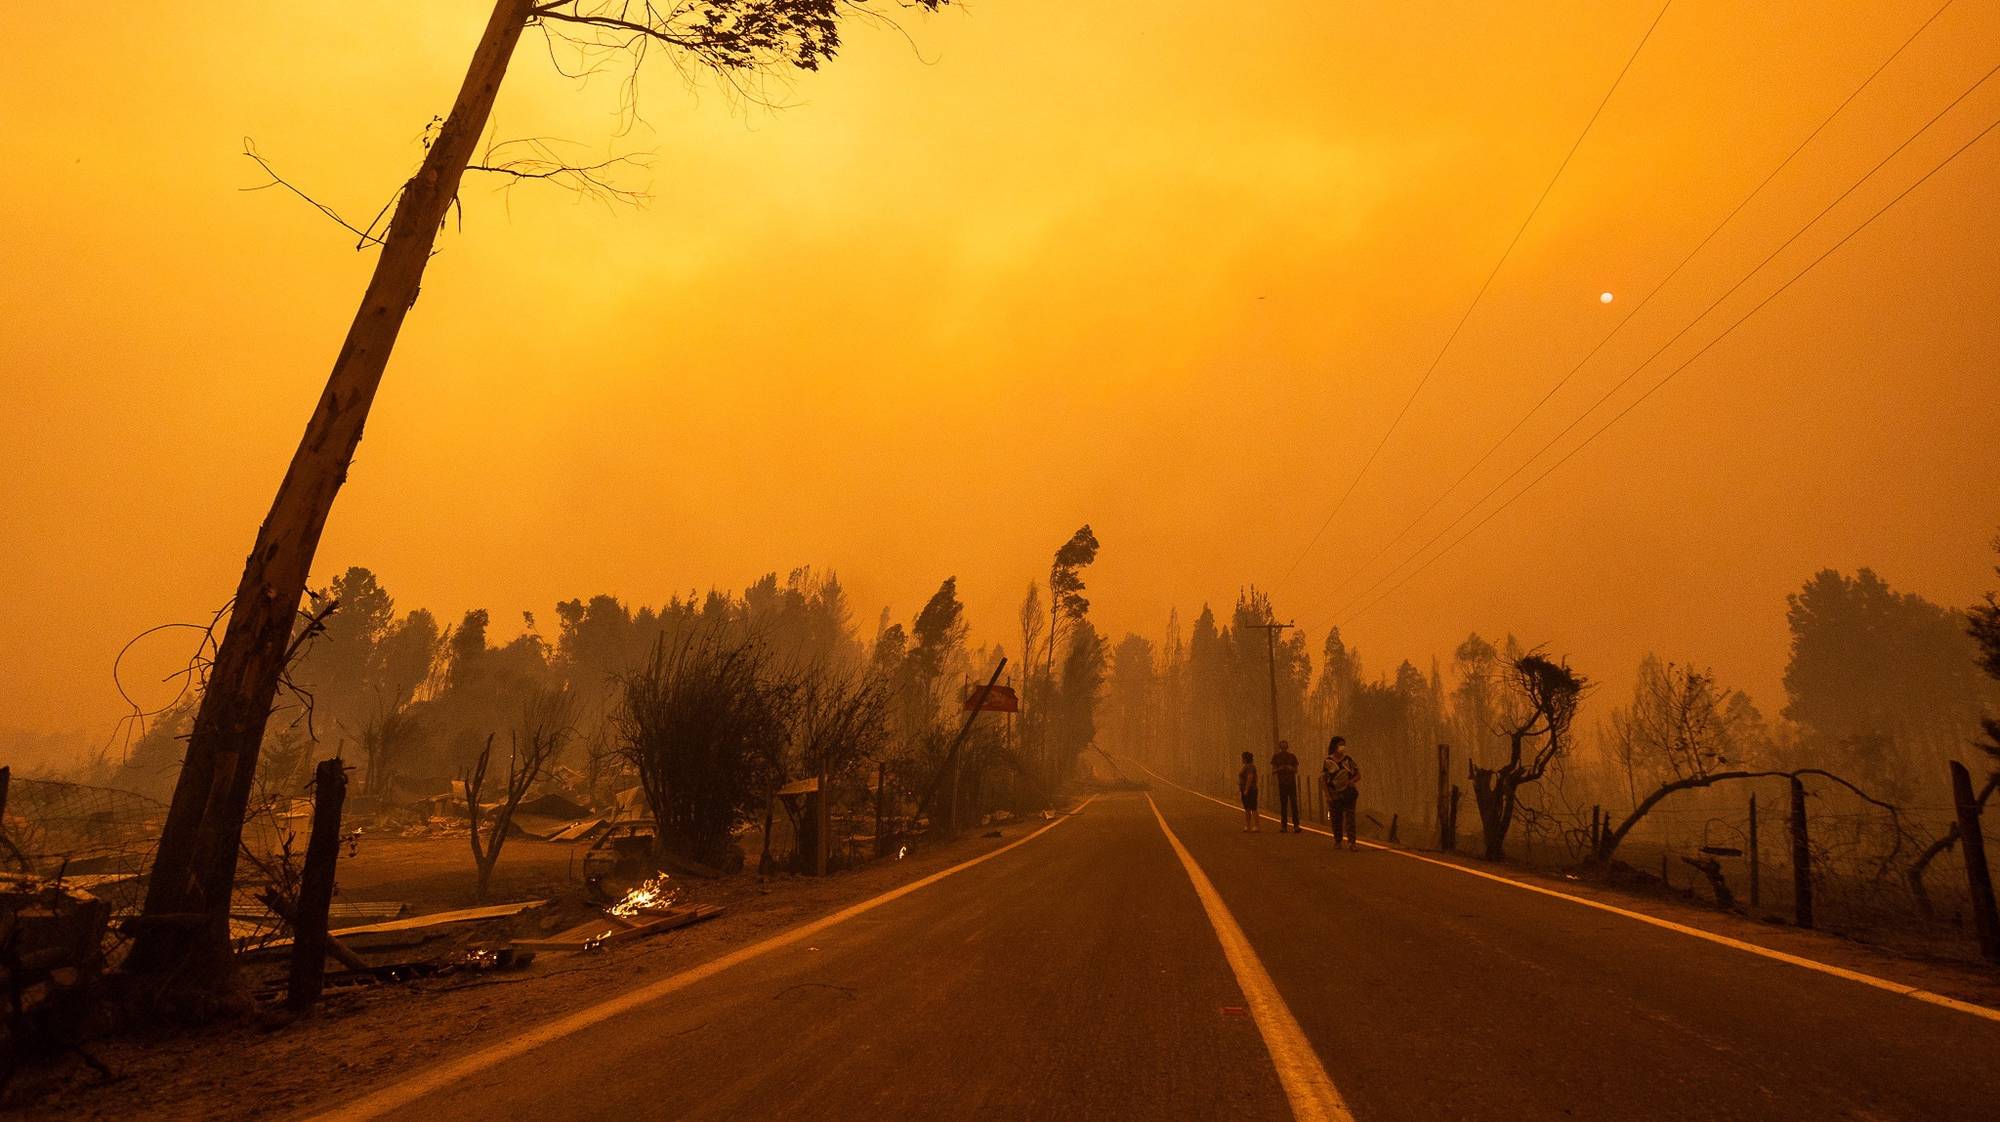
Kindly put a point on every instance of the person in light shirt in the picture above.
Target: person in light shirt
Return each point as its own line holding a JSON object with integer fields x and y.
{"x": 1341, "y": 777}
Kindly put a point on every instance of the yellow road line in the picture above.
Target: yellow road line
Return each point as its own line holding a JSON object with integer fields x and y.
{"x": 1307, "y": 1086}
{"x": 437, "y": 1078}
{"x": 1879, "y": 983}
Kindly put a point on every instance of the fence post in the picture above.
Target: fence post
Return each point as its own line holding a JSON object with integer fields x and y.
{"x": 822, "y": 823}
{"x": 6, "y": 843}
{"x": 316, "y": 886}
{"x": 1753, "y": 850}
{"x": 1802, "y": 895}
{"x": 881, "y": 793}
{"x": 1444, "y": 797}
{"x": 1978, "y": 875}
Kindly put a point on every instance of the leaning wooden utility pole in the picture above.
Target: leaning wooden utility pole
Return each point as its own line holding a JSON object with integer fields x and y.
{"x": 974, "y": 706}
{"x": 184, "y": 933}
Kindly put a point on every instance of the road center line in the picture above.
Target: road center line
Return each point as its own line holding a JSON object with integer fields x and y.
{"x": 443, "y": 1075}
{"x": 1879, "y": 983}
{"x": 1308, "y": 1087}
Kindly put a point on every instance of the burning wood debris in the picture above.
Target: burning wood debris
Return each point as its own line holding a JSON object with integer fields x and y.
{"x": 655, "y": 895}
{"x": 651, "y": 908}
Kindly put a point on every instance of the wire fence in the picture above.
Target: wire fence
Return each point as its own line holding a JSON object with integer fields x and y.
{"x": 1870, "y": 873}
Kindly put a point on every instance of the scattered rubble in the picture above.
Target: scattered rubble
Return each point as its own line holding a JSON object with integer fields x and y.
{"x": 51, "y": 958}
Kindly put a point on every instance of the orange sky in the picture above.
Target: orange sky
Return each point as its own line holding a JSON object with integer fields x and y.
{"x": 1165, "y": 268}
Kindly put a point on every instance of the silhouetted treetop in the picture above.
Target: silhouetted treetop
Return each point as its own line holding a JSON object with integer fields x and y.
{"x": 721, "y": 34}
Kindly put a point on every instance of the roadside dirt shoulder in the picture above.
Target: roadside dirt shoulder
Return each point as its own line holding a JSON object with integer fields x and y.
{"x": 359, "y": 1039}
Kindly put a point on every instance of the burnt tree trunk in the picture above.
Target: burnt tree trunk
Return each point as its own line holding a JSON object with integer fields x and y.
{"x": 1978, "y": 875}
{"x": 196, "y": 863}
{"x": 6, "y": 781}
{"x": 1493, "y": 793}
{"x": 1755, "y": 857}
{"x": 1943, "y": 845}
{"x": 316, "y": 887}
{"x": 1712, "y": 869}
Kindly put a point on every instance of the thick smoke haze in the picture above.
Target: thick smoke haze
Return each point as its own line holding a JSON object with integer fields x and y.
{"x": 1166, "y": 269}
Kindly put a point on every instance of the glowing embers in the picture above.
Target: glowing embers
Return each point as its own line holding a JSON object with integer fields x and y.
{"x": 655, "y": 895}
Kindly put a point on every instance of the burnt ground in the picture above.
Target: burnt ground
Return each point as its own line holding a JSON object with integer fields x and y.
{"x": 269, "y": 1066}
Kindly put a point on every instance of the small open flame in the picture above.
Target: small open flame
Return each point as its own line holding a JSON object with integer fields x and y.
{"x": 902, "y": 851}
{"x": 655, "y": 893}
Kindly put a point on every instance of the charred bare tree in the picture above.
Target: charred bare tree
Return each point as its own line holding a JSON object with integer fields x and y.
{"x": 1609, "y": 840}
{"x": 187, "y": 899}
{"x": 697, "y": 722}
{"x": 532, "y": 748}
{"x": 1943, "y": 845}
{"x": 1983, "y": 623}
{"x": 1548, "y": 692}
{"x": 388, "y": 733}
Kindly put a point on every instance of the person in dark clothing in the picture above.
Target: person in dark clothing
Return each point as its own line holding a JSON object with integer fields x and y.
{"x": 1246, "y": 786}
{"x": 1342, "y": 778}
{"x": 1285, "y": 769}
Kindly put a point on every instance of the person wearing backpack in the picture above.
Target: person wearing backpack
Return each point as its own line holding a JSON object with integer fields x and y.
{"x": 1341, "y": 776}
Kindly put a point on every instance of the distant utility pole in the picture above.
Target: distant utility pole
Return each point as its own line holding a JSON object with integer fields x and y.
{"x": 1271, "y": 636}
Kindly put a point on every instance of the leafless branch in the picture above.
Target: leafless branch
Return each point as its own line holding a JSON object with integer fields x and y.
{"x": 364, "y": 236}
{"x": 535, "y": 158}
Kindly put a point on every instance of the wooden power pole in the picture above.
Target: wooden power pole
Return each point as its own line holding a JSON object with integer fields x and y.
{"x": 1271, "y": 643}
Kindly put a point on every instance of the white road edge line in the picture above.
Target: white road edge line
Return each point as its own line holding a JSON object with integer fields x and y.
{"x": 437, "y": 1078}
{"x": 1923, "y": 995}
{"x": 1307, "y": 1085}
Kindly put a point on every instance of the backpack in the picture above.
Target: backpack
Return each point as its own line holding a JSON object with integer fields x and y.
{"x": 1345, "y": 776}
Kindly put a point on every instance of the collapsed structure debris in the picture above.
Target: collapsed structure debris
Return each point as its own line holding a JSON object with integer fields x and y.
{"x": 51, "y": 958}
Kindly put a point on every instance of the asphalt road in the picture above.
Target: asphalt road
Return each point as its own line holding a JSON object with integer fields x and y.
{"x": 1081, "y": 975}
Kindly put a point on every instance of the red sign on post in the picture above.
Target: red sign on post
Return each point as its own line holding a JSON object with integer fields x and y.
{"x": 999, "y": 699}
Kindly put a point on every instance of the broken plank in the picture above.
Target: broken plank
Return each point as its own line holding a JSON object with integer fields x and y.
{"x": 439, "y": 919}
{"x": 617, "y": 929}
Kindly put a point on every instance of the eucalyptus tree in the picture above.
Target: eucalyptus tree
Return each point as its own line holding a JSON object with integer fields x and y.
{"x": 183, "y": 938}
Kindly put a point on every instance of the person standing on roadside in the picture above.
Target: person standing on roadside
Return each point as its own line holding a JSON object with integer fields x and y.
{"x": 1342, "y": 778}
{"x": 1285, "y": 769}
{"x": 1246, "y": 786}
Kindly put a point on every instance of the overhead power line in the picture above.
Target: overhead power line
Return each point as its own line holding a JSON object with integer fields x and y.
{"x": 1641, "y": 305}
{"x": 1636, "y": 370}
{"x": 1657, "y": 386}
{"x": 1477, "y": 297}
